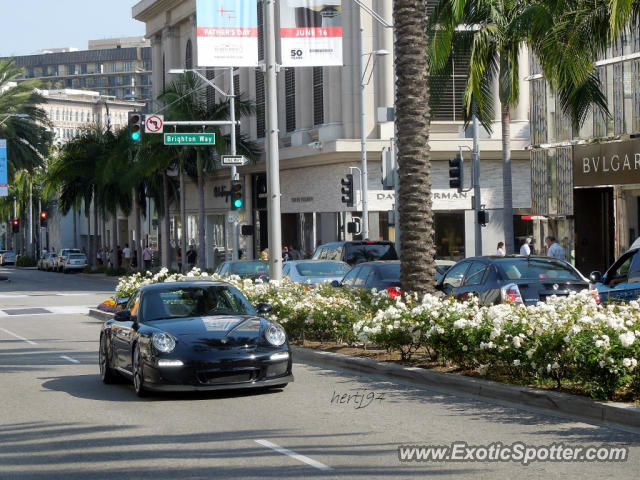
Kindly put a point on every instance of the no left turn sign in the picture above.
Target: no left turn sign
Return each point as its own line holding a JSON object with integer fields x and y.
{"x": 153, "y": 124}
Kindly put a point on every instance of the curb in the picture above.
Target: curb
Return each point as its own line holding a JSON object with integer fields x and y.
{"x": 582, "y": 407}
{"x": 100, "y": 315}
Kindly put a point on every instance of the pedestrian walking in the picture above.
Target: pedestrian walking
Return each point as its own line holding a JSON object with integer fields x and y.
{"x": 555, "y": 250}
{"x": 179, "y": 258}
{"x": 192, "y": 256}
{"x": 285, "y": 254}
{"x": 525, "y": 249}
{"x": 126, "y": 252}
{"x": 294, "y": 253}
{"x": 147, "y": 255}
{"x": 500, "y": 250}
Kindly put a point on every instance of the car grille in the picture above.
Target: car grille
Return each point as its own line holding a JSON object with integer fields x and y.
{"x": 213, "y": 377}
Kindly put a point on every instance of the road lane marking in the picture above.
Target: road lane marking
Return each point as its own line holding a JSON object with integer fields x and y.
{"x": 14, "y": 296}
{"x": 72, "y": 294}
{"x": 18, "y": 336}
{"x": 297, "y": 456}
{"x": 72, "y": 360}
{"x": 28, "y": 311}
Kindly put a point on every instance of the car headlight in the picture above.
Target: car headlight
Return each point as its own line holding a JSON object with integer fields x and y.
{"x": 163, "y": 342}
{"x": 275, "y": 335}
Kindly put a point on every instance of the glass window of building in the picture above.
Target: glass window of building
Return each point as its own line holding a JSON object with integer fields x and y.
{"x": 127, "y": 66}
{"x": 71, "y": 69}
{"x": 449, "y": 230}
{"x": 290, "y": 98}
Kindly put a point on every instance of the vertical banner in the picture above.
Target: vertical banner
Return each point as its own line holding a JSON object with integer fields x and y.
{"x": 311, "y": 33}
{"x": 4, "y": 182}
{"x": 227, "y": 32}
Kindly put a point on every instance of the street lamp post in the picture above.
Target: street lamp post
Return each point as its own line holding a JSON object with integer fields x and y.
{"x": 364, "y": 178}
{"x": 232, "y": 119}
{"x": 18, "y": 115}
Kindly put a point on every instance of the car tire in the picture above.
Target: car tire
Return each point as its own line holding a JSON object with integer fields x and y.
{"x": 107, "y": 374}
{"x": 138, "y": 374}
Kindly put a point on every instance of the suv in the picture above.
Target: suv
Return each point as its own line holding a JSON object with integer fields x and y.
{"x": 356, "y": 252}
{"x": 63, "y": 257}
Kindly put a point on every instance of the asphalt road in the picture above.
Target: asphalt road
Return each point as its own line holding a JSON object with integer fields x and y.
{"x": 58, "y": 421}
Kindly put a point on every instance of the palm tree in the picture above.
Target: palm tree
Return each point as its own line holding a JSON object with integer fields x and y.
{"x": 493, "y": 33}
{"x": 27, "y": 135}
{"x": 185, "y": 102}
{"x": 417, "y": 264}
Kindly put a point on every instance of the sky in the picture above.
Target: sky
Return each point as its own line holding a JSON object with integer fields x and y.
{"x": 30, "y": 25}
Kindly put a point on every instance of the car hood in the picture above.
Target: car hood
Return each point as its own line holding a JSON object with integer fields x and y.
{"x": 215, "y": 330}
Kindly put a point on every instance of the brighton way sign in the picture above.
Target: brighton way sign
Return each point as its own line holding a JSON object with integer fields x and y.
{"x": 189, "y": 138}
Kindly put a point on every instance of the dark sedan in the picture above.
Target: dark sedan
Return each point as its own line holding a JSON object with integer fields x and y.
{"x": 383, "y": 275}
{"x": 200, "y": 335}
{"x": 514, "y": 278}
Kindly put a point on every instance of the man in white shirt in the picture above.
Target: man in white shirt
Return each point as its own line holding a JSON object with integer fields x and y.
{"x": 555, "y": 250}
{"x": 525, "y": 249}
{"x": 126, "y": 253}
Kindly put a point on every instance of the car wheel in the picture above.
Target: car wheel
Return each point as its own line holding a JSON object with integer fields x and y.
{"x": 138, "y": 376}
{"x": 107, "y": 374}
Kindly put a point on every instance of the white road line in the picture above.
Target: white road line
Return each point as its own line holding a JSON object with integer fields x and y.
{"x": 72, "y": 360}
{"x": 72, "y": 294}
{"x": 14, "y": 296}
{"x": 18, "y": 337}
{"x": 68, "y": 310}
{"x": 297, "y": 456}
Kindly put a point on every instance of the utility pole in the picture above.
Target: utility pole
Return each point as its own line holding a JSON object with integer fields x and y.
{"x": 273, "y": 154}
{"x": 234, "y": 171}
{"x": 477, "y": 203}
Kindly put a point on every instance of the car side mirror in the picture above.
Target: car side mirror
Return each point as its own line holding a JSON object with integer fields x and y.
{"x": 595, "y": 277}
{"x": 123, "y": 316}
{"x": 336, "y": 284}
{"x": 263, "y": 308}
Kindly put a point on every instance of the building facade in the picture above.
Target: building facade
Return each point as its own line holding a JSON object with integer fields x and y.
{"x": 119, "y": 67}
{"x": 319, "y": 124}
{"x": 585, "y": 183}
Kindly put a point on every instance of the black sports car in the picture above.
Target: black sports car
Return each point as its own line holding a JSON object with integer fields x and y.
{"x": 199, "y": 335}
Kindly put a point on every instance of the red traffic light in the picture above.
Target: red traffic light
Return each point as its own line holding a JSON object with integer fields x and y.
{"x": 43, "y": 215}
{"x": 16, "y": 223}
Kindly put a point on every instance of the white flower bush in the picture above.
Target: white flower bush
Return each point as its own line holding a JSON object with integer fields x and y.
{"x": 563, "y": 339}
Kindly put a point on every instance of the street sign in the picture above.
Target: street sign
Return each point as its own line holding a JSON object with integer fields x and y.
{"x": 189, "y": 138}
{"x": 229, "y": 160}
{"x": 153, "y": 123}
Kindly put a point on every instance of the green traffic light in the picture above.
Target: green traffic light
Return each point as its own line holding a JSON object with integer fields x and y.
{"x": 135, "y": 136}
{"x": 237, "y": 203}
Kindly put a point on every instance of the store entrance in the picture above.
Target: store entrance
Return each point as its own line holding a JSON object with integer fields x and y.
{"x": 595, "y": 229}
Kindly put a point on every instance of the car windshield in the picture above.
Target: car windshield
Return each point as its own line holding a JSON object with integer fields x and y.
{"x": 320, "y": 269}
{"x": 248, "y": 268}
{"x": 516, "y": 268}
{"x": 368, "y": 252}
{"x": 195, "y": 301}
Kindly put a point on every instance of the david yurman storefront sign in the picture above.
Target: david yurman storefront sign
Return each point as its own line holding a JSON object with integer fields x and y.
{"x": 612, "y": 163}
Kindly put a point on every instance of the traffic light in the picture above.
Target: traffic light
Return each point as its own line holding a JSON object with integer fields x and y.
{"x": 135, "y": 127}
{"x": 456, "y": 172}
{"x": 237, "y": 195}
{"x": 43, "y": 219}
{"x": 483, "y": 217}
{"x": 347, "y": 190}
{"x": 15, "y": 225}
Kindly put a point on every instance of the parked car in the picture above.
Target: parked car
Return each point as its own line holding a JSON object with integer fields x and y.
{"x": 200, "y": 335}
{"x": 621, "y": 282}
{"x": 62, "y": 257}
{"x": 51, "y": 261}
{"x": 514, "y": 278}
{"x": 383, "y": 275}
{"x": 314, "y": 272}
{"x": 7, "y": 257}
{"x": 42, "y": 261}
{"x": 74, "y": 262}
{"x": 355, "y": 252}
{"x": 253, "y": 269}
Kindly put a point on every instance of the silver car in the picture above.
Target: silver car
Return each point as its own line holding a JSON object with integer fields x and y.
{"x": 74, "y": 261}
{"x": 314, "y": 272}
{"x": 7, "y": 257}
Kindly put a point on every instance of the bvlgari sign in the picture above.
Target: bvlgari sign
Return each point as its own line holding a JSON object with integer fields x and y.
{"x": 612, "y": 163}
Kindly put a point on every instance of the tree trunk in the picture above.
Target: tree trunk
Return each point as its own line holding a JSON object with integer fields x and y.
{"x": 96, "y": 241}
{"x": 166, "y": 246}
{"x": 89, "y": 240}
{"x": 75, "y": 229}
{"x": 417, "y": 266}
{"x": 183, "y": 221}
{"x": 138, "y": 246}
{"x": 506, "y": 180}
{"x": 201, "y": 218}
{"x": 114, "y": 240}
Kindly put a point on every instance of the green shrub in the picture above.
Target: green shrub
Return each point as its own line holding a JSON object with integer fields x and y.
{"x": 26, "y": 261}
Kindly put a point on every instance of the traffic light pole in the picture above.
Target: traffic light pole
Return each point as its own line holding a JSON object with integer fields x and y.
{"x": 477, "y": 203}
{"x": 234, "y": 171}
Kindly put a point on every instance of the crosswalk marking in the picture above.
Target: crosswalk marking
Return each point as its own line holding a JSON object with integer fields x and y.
{"x": 28, "y": 311}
